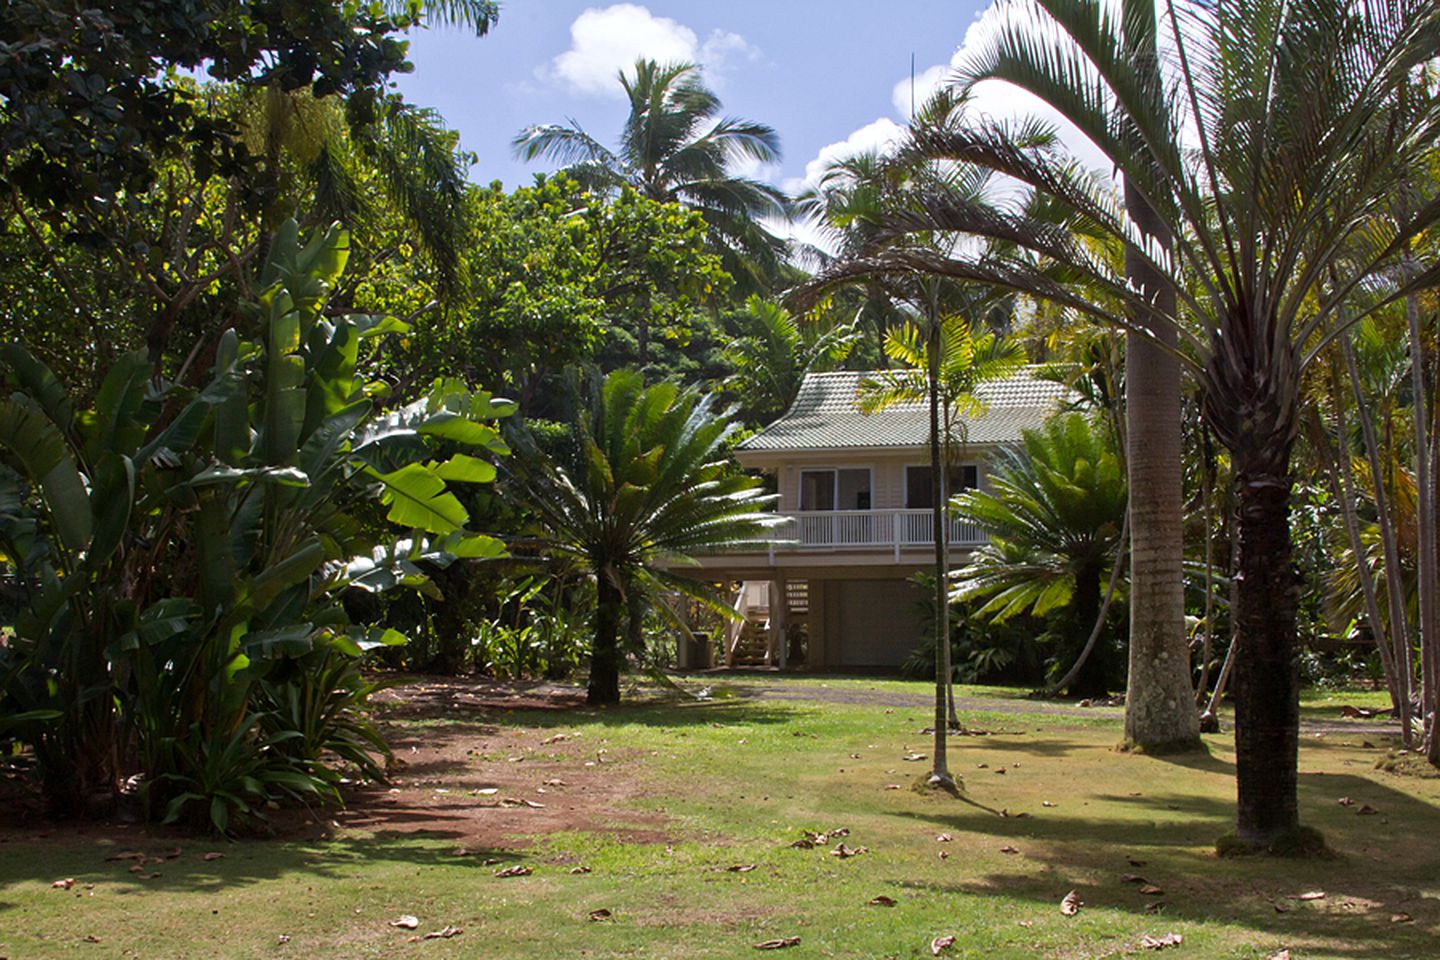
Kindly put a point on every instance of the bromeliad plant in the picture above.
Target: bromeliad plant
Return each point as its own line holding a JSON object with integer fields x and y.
{"x": 184, "y": 553}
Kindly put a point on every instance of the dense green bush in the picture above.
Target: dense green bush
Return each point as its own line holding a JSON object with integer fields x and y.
{"x": 182, "y": 553}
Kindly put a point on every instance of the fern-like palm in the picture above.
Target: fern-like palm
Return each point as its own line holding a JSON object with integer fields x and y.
{"x": 774, "y": 353}
{"x": 647, "y": 483}
{"x": 1054, "y": 511}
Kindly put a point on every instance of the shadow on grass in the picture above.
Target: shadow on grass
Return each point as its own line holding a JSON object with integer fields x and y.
{"x": 1384, "y": 865}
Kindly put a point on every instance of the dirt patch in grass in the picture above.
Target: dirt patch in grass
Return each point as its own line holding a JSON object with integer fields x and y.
{"x": 465, "y": 771}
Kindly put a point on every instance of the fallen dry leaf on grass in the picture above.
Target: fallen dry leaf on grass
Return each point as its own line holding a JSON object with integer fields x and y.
{"x": 1071, "y": 904}
{"x": 579, "y": 869}
{"x": 516, "y": 802}
{"x": 91, "y": 938}
{"x": 212, "y": 857}
{"x": 1312, "y": 895}
{"x": 944, "y": 838}
{"x": 940, "y": 944}
{"x": 944, "y": 854}
{"x": 126, "y": 855}
{"x": 854, "y": 756}
{"x": 914, "y": 757}
{"x": 445, "y": 933}
{"x": 1401, "y": 918}
{"x": 1345, "y": 802}
{"x": 515, "y": 871}
{"x": 1157, "y": 906}
{"x": 740, "y": 868}
{"x": 597, "y": 915}
{"x": 1279, "y": 955}
{"x": 1160, "y": 943}
{"x": 282, "y": 939}
{"x": 779, "y": 944}
{"x": 803, "y": 845}
{"x": 892, "y": 786}
{"x": 844, "y": 852}
{"x": 1008, "y": 850}
{"x": 1046, "y": 803}
{"x": 555, "y": 739}
{"x": 881, "y": 901}
{"x": 1150, "y": 890}
{"x": 1133, "y": 878}
{"x": 406, "y": 922}
{"x": 65, "y": 884}
{"x": 840, "y": 832}
{"x": 555, "y": 782}
{"x": 1367, "y": 810}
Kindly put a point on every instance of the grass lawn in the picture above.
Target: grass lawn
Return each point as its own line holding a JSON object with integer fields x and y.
{"x": 659, "y": 800}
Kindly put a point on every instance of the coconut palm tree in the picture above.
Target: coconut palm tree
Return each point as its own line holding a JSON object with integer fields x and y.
{"x": 646, "y": 483}
{"x": 1054, "y": 512}
{"x": 1288, "y": 107}
{"x": 676, "y": 147}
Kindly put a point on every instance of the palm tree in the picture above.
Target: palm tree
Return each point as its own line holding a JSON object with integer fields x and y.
{"x": 966, "y": 360}
{"x": 1054, "y": 512}
{"x": 1270, "y": 211}
{"x": 1158, "y": 693}
{"x": 675, "y": 147}
{"x": 775, "y": 352}
{"x": 646, "y": 483}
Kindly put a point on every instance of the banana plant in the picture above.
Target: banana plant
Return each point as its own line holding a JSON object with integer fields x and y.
{"x": 183, "y": 546}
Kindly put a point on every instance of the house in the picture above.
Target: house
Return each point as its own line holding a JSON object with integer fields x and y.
{"x": 855, "y": 491}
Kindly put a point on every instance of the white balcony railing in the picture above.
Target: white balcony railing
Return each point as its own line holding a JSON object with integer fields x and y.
{"x": 865, "y": 529}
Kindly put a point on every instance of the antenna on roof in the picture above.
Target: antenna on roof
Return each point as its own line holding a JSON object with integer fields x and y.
{"x": 912, "y": 88}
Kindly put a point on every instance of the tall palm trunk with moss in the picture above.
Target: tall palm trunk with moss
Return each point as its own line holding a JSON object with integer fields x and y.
{"x": 1159, "y": 699}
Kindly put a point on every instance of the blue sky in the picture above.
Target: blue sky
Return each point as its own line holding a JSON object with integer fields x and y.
{"x": 824, "y": 75}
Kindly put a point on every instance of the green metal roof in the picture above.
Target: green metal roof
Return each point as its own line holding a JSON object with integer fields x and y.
{"x": 825, "y": 416}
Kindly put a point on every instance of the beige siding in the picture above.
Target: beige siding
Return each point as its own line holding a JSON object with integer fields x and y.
{"x": 887, "y": 472}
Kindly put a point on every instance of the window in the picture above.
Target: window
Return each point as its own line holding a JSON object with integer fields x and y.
{"x": 966, "y": 476}
{"x": 830, "y": 489}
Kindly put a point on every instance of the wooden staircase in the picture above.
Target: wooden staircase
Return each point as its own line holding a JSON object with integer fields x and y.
{"x": 752, "y": 646}
{"x": 749, "y": 639}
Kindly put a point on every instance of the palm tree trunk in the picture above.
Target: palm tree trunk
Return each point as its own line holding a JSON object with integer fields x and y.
{"x": 604, "y": 685}
{"x": 940, "y": 771}
{"x": 1342, "y": 488}
{"x": 1389, "y": 543}
{"x": 1159, "y": 712}
{"x": 1266, "y": 679}
{"x": 1425, "y": 545}
{"x": 1207, "y": 480}
{"x": 1090, "y": 678}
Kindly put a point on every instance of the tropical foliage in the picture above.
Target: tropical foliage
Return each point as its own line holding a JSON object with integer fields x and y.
{"x": 675, "y": 146}
{"x": 184, "y": 553}
{"x": 1054, "y": 509}
{"x": 1305, "y": 121}
{"x": 645, "y": 482}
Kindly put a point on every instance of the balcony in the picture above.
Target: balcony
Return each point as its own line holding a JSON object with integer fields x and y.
{"x": 893, "y": 530}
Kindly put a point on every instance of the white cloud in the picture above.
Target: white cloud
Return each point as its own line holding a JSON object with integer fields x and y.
{"x": 879, "y": 135}
{"x": 607, "y": 40}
